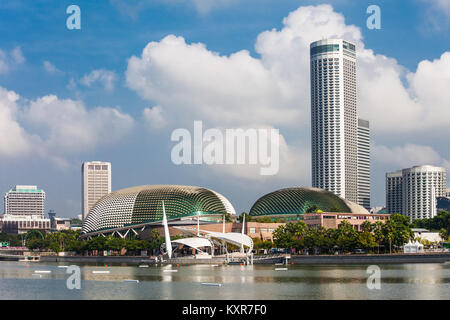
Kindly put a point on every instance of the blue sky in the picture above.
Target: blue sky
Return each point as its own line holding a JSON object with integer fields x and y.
{"x": 89, "y": 68}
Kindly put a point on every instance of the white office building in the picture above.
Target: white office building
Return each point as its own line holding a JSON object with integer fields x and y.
{"x": 96, "y": 182}
{"x": 24, "y": 210}
{"x": 334, "y": 122}
{"x": 25, "y": 201}
{"x": 363, "y": 163}
{"x": 417, "y": 187}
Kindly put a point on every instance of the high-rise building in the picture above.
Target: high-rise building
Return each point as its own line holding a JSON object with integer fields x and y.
{"x": 24, "y": 210}
{"x": 394, "y": 193}
{"x": 25, "y": 201}
{"x": 334, "y": 123}
{"x": 96, "y": 182}
{"x": 363, "y": 163}
{"x": 417, "y": 187}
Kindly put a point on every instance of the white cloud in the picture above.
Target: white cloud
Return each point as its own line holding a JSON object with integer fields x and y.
{"x": 54, "y": 128}
{"x": 13, "y": 138}
{"x": 274, "y": 89}
{"x": 190, "y": 82}
{"x": 407, "y": 155}
{"x": 106, "y": 77}
{"x": 441, "y": 5}
{"x": 9, "y": 61}
{"x": 50, "y": 68}
{"x": 17, "y": 55}
{"x": 154, "y": 117}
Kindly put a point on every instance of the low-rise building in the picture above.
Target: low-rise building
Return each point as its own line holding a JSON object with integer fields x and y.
{"x": 60, "y": 224}
{"x": 334, "y": 219}
{"x": 424, "y": 234}
{"x": 17, "y": 224}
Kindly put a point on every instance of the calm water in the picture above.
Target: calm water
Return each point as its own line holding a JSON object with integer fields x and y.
{"x": 404, "y": 281}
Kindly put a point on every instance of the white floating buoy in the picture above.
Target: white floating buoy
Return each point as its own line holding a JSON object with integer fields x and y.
{"x": 214, "y": 265}
{"x": 131, "y": 280}
{"x": 279, "y": 264}
{"x": 281, "y": 269}
{"x": 42, "y": 271}
{"x": 63, "y": 266}
{"x": 100, "y": 271}
{"x": 170, "y": 270}
{"x": 143, "y": 266}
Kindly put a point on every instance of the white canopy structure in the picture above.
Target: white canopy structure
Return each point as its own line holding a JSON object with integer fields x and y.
{"x": 413, "y": 247}
{"x": 235, "y": 238}
{"x": 195, "y": 243}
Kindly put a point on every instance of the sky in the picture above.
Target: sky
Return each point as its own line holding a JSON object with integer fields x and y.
{"x": 116, "y": 89}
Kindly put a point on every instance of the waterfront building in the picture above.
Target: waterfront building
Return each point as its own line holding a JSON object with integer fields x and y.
{"x": 335, "y": 133}
{"x": 363, "y": 170}
{"x": 24, "y": 210}
{"x": 96, "y": 183}
{"x": 425, "y": 234}
{"x": 25, "y": 201}
{"x": 447, "y": 193}
{"x": 18, "y": 224}
{"x": 293, "y": 203}
{"x": 333, "y": 220}
{"x": 413, "y": 191}
{"x": 135, "y": 208}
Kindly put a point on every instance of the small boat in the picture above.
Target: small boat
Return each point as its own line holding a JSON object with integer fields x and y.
{"x": 281, "y": 269}
{"x": 131, "y": 280}
{"x": 100, "y": 271}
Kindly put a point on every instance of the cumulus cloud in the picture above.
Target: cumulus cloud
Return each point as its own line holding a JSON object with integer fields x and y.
{"x": 9, "y": 61}
{"x": 54, "y": 128}
{"x": 13, "y": 138}
{"x": 274, "y": 89}
{"x": 189, "y": 82}
{"x": 105, "y": 77}
{"x": 154, "y": 117}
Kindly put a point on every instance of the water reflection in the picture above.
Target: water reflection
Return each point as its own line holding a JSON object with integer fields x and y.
{"x": 405, "y": 281}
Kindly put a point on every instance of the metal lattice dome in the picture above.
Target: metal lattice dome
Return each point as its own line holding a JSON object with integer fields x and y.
{"x": 292, "y": 202}
{"x": 143, "y": 204}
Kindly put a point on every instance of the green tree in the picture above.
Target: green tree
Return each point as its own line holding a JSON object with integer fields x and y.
{"x": 347, "y": 236}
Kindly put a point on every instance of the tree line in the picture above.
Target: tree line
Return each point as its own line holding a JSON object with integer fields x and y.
{"x": 390, "y": 235}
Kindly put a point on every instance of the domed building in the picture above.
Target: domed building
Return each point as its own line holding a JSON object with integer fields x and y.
{"x": 140, "y": 206}
{"x": 291, "y": 203}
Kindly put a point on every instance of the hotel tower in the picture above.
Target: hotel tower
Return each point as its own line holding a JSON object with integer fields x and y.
{"x": 96, "y": 182}
{"x": 335, "y": 132}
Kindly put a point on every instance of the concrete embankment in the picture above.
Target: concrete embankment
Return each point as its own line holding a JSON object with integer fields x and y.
{"x": 371, "y": 259}
{"x": 296, "y": 259}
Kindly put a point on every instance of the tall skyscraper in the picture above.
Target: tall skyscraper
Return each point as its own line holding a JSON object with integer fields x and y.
{"x": 363, "y": 163}
{"x": 334, "y": 123}
{"x": 417, "y": 187}
{"x": 96, "y": 182}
